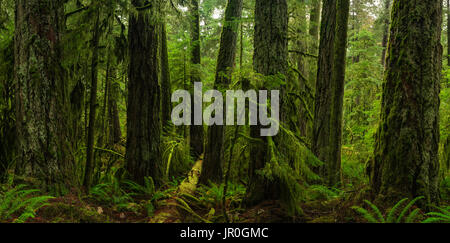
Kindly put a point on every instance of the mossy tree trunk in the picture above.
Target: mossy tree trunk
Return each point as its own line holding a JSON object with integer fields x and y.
{"x": 448, "y": 33}
{"x": 42, "y": 99}
{"x": 386, "y": 22}
{"x": 406, "y": 160}
{"x": 114, "y": 131}
{"x": 338, "y": 80}
{"x": 323, "y": 99}
{"x": 327, "y": 136}
{"x": 143, "y": 154}
{"x": 196, "y": 131}
{"x": 90, "y": 162}
{"x": 270, "y": 58}
{"x": 166, "y": 87}
{"x": 214, "y": 152}
{"x": 302, "y": 66}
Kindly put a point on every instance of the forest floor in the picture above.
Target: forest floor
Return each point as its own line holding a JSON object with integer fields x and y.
{"x": 184, "y": 202}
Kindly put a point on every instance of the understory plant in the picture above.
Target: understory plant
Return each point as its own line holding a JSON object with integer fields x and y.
{"x": 21, "y": 203}
{"x": 392, "y": 216}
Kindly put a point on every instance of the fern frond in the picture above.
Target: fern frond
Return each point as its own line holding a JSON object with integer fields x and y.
{"x": 410, "y": 204}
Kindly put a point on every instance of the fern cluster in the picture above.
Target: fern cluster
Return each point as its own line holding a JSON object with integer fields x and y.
{"x": 20, "y": 202}
{"x": 438, "y": 217}
{"x": 392, "y": 215}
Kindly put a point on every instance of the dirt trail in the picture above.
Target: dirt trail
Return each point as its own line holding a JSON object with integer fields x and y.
{"x": 170, "y": 212}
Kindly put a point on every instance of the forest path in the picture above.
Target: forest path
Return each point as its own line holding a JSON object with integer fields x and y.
{"x": 170, "y": 213}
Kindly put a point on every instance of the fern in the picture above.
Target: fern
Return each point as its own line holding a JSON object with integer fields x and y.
{"x": 438, "y": 217}
{"x": 376, "y": 216}
{"x": 19, "y": 200}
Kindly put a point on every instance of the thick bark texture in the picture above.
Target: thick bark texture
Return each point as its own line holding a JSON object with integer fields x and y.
{"x": 321, "y": 137}
{"x": 196, "y": 131}
{"x": 41, "y": 95}
{"x": 214, "y": 152}
{"x": 270, "y": 58}
{"x": 406, "y": 152}
{"x": 143, "y": 155}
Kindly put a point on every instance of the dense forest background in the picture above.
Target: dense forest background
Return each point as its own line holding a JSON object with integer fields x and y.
{"x": 85, "y": 111}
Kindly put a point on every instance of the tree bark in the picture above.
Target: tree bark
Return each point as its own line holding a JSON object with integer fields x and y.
{"x": 196, "y": 131}
{"x": 386, "y": 23}
{"x": 321, "y": 137}
{"x": 143, "y": 154}
{"x": 92, "y": 105}
{"x": 406, "y": 160}
{"x": 42, "y": 99}
{"x": 114, "y": 131}
{"x": 214, "y": 152}
{"x": 448, "y": 33}
{"x": 338, "y": 81}
{"x": 166, "y": 102}
{"x": 302, "y": 64}
{"x": 270, "y": 58}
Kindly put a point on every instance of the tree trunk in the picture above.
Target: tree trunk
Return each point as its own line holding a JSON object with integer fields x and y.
{"x": 270, "y": 58}
{"x": 92, "y": 105}
{"x": 321, "y": 137}
{"x": 406, "y": 160}
{"x": 114, "y": 131}
{"x": 166, "y": 101}
{"x": 338, "y": 81}
{"x": 386, "y": 22}
{"x": 214, "y": 152}
{"x": 302, "y": 67}
{"x": 42, "y": 99}
{"x": 448, "y": 33}
{"x": 143, "y": 155}
{"x": 196, "y": 131}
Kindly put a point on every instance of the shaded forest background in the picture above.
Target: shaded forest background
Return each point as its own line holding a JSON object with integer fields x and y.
{"x": 85, "y": 111}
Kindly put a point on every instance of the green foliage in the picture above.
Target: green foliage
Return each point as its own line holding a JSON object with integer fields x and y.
{"x": 211, "y": 196}
{"x": 176, "y": 155}
{"x": 392, "y": 215}
{"x": 438, "y": 217}
{"x": 20, "y": 202}
{"x": 111, "y": 194}
{"x": 320, "y": 192}
{"x": 445, "y": 188}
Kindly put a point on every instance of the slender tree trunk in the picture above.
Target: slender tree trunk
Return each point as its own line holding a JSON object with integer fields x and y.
{"x": 338, "y": 81}
{"x": 270, "y": 58}
{"x": 196, "y": 131}
{"x": 166, "y": 103}
{"x": 103, "y": 138}
{"x": 114, "y": 132}
{"x": 93, "y": 105}
{"x": 143, "y": 155}
{"x": 448, "y": 32}
{"x": 386, "y": 20}
{"x": 302, "y": 64}
{"x": 406, "y": 162}
{"x": 42, "y": 99}
{"x": 314, "y": 23}
{"x": 322, "y": 126}
{"x": 214, "y": 152}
